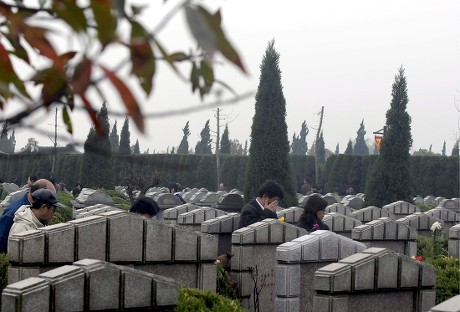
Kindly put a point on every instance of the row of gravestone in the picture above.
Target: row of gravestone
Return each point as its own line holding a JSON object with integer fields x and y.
{"x": 213, "y": 222}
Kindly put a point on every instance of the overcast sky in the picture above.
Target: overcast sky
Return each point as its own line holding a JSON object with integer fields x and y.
{"x": 342, "y": 55}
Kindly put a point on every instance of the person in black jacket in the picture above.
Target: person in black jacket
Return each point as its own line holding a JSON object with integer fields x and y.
{"x": 313, "y": 214}
{"x": 263, "y": 206}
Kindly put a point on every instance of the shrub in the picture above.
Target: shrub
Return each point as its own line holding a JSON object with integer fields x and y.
{"x": 118, "y": 199}
{"x": 225, "y": 285}
{"x": 191, "y": 299}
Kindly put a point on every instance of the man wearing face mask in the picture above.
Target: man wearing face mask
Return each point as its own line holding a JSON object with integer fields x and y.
{"x": 263, "y": 206}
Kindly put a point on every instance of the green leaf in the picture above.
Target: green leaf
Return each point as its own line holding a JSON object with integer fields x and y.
{"x": 200, "y": 28}
{"x": 19, "y": 50}
{"x": 69, "y": 12}
{"x": 195, "y": 77}
{"x": 165, "y": 54}
{"x": 222, "y": 44}
{"x": 142, "y": 57}
{"x": 106, "y": 23}
{"x": 179, "y": 57}
{"x": 67, "y": 121}
{"x": 128, "y": 99}
{"x": 207, "y": 72}
{"x": 9, "y": 76}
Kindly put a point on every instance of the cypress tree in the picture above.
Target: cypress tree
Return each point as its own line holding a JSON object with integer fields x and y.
{"x": 245, "y": 149}
{"x": 269, "y": 148}
{"x": 444, "y": 149}
{"x": 299, "y": 142}
{"x": 390, "y": 178}
{"x": 183, "y": 146}
{"x": 321, "y": 149}
{"x": 114, "y": 138}
{"x": 235, "y": 147}
{"x": 455, "y": 148}
{"x": 96, "y": 165}
{"x": 349, "y": 149}
{"x": 337, "y": 149}
{"x": 136, "y": 148}
{"x": 204, "y": 145}
{"x": 225, "y": 142}
{"x": 360, "y": 144}
{"x": 125, "y": 147}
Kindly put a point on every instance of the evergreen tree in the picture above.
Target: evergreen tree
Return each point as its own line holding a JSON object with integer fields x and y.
{"x": 430, "y": 151}
{"x": 245, "y": 149}
{"x": 337, "y": 149}
{"x": 360, "y": 144}
{"x": 235, "y": 147}
{"x": 183, "y": 146}
{"x": 225, "y": 142}
{"x": 269, "y": 149}
{"x": 96, "y": 165}
{"x": 125, "y": 147}
{"x": 455, "y": 148}
{"x": 376, "y": 151}
{"x": 114, "y": 138}
{"x": 204, "y": 145}
{"x": 349, "y": 149}
{"x": 7, "y": 145}
{"x": 390, "y": 178}
{"x": 299, "y": 143}
{"x": 321, "y": 149}
{"x": 136, "y": 148}
{"x": 173, "y": 149}
{"x": 444, "y": 149}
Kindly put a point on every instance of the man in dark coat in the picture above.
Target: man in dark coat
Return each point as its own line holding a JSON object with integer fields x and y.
{"x": 263, "y": 206}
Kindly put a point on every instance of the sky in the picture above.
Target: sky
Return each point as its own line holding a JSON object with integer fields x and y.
{"x": 342, "y": 55}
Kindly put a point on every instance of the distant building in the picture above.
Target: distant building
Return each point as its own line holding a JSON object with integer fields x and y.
{"x": 47, "y": 150}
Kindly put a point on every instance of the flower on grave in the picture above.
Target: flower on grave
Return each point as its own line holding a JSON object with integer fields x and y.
{"x": 437, "y": 226}
{"x": 419, "y": 258}
{"x": 281, "y": 219}
{"x": 316, "y": 226}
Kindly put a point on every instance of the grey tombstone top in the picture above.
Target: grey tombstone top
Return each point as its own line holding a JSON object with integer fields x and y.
{"x": 430, "y": 200}
{"x": 11, "y": 197}
{"x": 336, "y": 196}
{"x": 11, "y": 187}
{"x": 353, "y": 201}
{"x": 450, "y": 305}
{"x": 449, "y": 204}
{"x": 197, "y": 196}
{"x": 420, "y": 221}
{"x": 340, "y": 208}
{"x": 444, "y": 214}
{"x": 340, "y": 223}
{"x": 303, "y": 199}
{"x": 167, "y": 200}
{"x": 89, "y": 197}
{"x": 439, "y": 199}
{"x": 231, "y": 202}
{"x": 454, "y": 232}
{"x": 330, "y": 199}
{"x": 370, "y": 213}
{"x": 418, "y": 200}
{"x": 189, "y": 194}
{"x": 209, "y": 199}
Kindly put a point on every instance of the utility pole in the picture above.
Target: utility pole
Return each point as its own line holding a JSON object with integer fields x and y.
{"x": 317, "y": 171}
{"x": 53, "y": 166}
{"x": 218, "y": 144}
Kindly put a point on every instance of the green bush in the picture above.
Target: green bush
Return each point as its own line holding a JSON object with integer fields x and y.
{"x": 191, "y": 300}
{"x": 118, "y": 199}
{"x": 225, "y": 285}
{"x": 447, "y": 268}
{"x": 425, "y": 208}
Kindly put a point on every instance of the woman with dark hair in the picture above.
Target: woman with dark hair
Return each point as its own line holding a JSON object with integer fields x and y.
{"x": 313, "y": 214}
{"x": 146, "y": 207}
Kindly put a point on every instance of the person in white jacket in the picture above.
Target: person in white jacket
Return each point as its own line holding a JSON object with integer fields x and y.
{"x": 38, "y": 214}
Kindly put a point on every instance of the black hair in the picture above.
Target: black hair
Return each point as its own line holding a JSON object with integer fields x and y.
{"x": 33, "y": 178}
{"x": 314, "y": 204}
{"x": 173, "y": 185}
{"x": 146, "y": 205}
{"x": 271, "y": 189}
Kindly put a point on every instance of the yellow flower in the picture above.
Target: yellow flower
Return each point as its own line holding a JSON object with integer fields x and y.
{"x": 281, "y": 219}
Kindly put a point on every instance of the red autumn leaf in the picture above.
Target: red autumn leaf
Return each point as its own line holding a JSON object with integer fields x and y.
{"x": 82, "y": 77}
{"x": 36, "y": 38}
{"x": 128, "y": 99}
{"x": 92, "y": 114}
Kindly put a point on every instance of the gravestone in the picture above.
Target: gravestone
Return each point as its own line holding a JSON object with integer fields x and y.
{"x": 449, "y": 217}
{"x": 418, "y": 200}
{"x": 209, "y": 199}
{"x": 340, "y": 224}
{"x": 90, "y": 197}
{"x": 401, "y": 208}
{"x": 291, "y": 215}
{"x": 331, "y": 199}
{"x": 430, "y": 200}
{"x": 195, "y": 217}
{"x": 353, "y": 201}
{"x": 254, "y": 249}
{"x": 170, "y": 215}
{"x": 371, "y": 213}
{"x": 453, "y": 244}
{"x": 450, "y": 305}
{"x": 165, "y": 201}
{"x": 387, "y": 233}
{"x": 297, "y": 262}
{"x": 420, "y": 222}
{"x": 449, "y": 204}
{"x": 340, "y": 208}
{"x": 376, "y": 279}
{"x": 188, "y": 195}
{"x": 231, "y": 202}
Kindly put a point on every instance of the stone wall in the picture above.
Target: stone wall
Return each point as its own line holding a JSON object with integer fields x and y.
{"x": 387, "y": 233}
{"x": 376, "y": 279}
{"x": 371, "y": 213}
{"x": 119, "y": 237}
{"x": 254, "y": 247}
{"x": 91, "y": 285}
{"x": 299, "y": 259}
